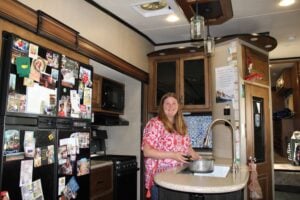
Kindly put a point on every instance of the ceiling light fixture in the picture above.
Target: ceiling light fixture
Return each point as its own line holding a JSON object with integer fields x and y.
{"x": 197, "y": 25}
{"x": 152, "y": 8}
{"x": 286, "y": 2}
{"x": 268, "y": 46}
{"x": 172, "y": 18}
{"x": 209, "y": 44}
{"x": 156, "y": 5}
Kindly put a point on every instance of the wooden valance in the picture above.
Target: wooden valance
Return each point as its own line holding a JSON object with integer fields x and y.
{"x": 56, "y": 31}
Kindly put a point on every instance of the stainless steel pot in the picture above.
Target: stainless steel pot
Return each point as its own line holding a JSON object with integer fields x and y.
{"x": 205, "y": 165}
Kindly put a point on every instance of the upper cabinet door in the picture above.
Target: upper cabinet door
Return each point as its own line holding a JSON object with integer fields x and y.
{"x": 195, "y": 81}
{"x": 187, "y": 76}
{"x": 163, "y": 79}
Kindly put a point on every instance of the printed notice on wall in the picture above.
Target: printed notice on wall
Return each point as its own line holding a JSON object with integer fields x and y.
{"x": 226, "y": 78}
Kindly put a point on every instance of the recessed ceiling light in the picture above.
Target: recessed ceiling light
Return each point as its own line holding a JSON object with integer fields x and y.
{"x": 268, "y": 46}
{"x": 291, "y": 37}
{"x": 162, "y": 54}
{"x": 286, "y": 2}
{"x": 172, "y": 18}
{"x": 253, "y": 39}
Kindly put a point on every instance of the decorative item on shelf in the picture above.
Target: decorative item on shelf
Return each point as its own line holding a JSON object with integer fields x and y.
{"x": 197, "y": 25}
{"x": 209, "y": 44}
{"x": 251, "y": 73}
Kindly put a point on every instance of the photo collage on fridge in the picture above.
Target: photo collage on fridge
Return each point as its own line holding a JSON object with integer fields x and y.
{"x": 46, "y": 163}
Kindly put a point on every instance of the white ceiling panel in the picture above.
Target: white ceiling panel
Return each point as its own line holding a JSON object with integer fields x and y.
{"x": 249, "y": 16}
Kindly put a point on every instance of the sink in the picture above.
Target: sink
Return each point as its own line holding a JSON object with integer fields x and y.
{"x": 219, "y": 171}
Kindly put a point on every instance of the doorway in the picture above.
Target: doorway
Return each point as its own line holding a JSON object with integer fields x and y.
{"x": 285, "y": 106}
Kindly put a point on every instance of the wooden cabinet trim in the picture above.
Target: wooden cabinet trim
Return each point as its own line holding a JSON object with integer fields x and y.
{"x": 179, "y": 59}
{"x": 54, "y": 30}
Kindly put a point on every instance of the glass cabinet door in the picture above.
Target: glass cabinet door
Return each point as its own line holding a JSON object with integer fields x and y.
{"x": 194, "y": 82}
{"x": 165, "y": 78}
{"x": 186, "y": 75}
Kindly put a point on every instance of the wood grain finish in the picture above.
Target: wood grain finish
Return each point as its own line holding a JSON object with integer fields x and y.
{"x": 52, "y": 29}
{"x": 32, "y": 37}
{"x": 264, "y": 168}
{"x": 101, "y": 55}
{"x": 102, "y": 183}
{"x": 57, "y": 31}
{"x": 214, "y": 11}
{"x": 259, "y": 65}
{"x": 19, "y": 14}
{"x": 179, "y": 60}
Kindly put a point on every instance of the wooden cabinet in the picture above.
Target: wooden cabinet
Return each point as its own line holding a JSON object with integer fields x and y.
{"x": 255, "y": 66}
{"x": 101, "y": 183}
{"x": 187, "y": 75}
{"x": 284, "y": 82}
{"x": 96, "y": 98}
{"x": 283, "y": 130}
{"x": 97, "y": 104}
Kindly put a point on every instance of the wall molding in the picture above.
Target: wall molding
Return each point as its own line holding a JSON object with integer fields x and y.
{"x": 48, "y": 27}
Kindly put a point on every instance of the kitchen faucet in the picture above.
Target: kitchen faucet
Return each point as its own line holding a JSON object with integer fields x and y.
{"x": 205, "y": 142}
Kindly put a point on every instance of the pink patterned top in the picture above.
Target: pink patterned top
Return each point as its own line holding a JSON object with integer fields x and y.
{"x": 159, "y": 138}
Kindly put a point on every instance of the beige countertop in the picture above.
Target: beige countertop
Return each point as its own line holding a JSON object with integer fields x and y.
{"x": 286, "y": 167}
{"x": 100, "y": 163}
{"x": 174, "y": 179}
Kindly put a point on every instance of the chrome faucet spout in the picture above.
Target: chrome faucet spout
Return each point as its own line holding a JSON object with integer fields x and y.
{"x": 208, "y": 132}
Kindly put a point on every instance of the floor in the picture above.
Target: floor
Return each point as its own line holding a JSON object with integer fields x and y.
{"x": 282, "y": 193}
{"x": 286, "y": 196}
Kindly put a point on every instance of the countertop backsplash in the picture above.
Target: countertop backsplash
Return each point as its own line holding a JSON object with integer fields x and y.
{"x": 197, "y": 126}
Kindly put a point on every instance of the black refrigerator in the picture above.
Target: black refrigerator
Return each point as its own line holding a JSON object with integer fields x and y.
{"x": 45, "y": 120}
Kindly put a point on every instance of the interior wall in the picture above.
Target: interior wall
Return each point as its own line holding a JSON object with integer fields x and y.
{"x": 99, "y": 28}
{"x": 222, "y": 138}
{"x": 124, "y": 140}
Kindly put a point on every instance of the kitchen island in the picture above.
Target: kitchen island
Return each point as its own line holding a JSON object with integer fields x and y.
{"x": 177, "y": 184}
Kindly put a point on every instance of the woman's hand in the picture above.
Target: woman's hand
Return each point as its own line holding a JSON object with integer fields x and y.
{"x": 153, "y": 153}
{"x": 194, "y": 155}
{"x": 180, "y": 157}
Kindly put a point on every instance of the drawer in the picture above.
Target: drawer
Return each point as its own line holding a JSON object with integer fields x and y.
{"x": 101, "y": 180}
{"x": 108, "y": 196}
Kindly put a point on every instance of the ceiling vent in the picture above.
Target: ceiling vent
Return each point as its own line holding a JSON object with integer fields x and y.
{"x": 153, "y": 8}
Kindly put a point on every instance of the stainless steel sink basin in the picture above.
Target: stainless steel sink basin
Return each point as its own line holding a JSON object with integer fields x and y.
{"x": 205, "y": 165}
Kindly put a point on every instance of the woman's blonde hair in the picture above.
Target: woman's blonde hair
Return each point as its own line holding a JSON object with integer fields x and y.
{"x": 179, "y": 123}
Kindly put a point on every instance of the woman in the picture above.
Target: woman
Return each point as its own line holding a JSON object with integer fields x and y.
{"x": 165, "y": 142}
